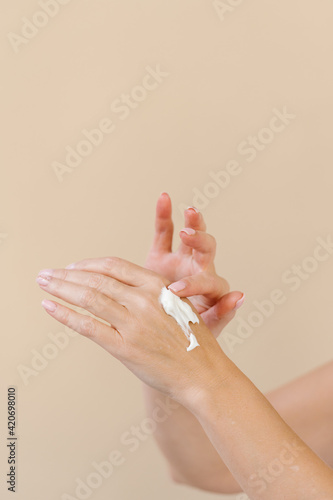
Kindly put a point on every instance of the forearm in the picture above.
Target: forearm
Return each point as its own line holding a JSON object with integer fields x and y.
{"x": 304, "y": 404}
{"x": 263, "y": 453}
{"x": 191, "y": 457}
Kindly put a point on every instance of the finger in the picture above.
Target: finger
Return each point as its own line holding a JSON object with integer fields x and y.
{"x": 219, "y": 315}
{"x": 114, "y": 267}
{"x": 193, "y": 220}
{"x": 210, "y": 285}
{"x": 163, "y": 225}
{"x": 104, "y": 335}
{"x": 203, "y": 244}
{"x": 93, "y": 301}
{"x": 120, "y": 292}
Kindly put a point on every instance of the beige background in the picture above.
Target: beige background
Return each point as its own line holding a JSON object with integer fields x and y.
{"x": 225, "y": 78}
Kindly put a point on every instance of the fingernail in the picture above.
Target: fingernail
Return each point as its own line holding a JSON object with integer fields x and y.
{"x": 239, "y": 303}
{"x": 164, "y": 194}
{"x": 43, "y": 279}
{"x": 188, "y": 230}
{"x": 176, "y": 287}
{"x": 46, "y": 272}
{"x": 70, "y": 266}
{"x": 50, "y": 306}
{"x": 193, "y": 208}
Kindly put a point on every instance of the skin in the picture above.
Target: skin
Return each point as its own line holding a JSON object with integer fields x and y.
{"x": 204, "y": 381}
{"x": 192, "y": 459}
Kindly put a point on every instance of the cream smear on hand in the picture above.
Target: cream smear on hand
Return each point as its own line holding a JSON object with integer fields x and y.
{"x": 182, "y": 312}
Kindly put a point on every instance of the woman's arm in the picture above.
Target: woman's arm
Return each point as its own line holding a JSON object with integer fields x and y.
{"x": 190, "y": 455}
{"x": 305, "y": 404}
{"x": 262, "y": 452}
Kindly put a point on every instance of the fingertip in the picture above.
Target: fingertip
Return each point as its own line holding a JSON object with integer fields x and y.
{"x": 194, "y": 218}
{"x": 164, "y": 199}
{"x": 49, "y": 306}
{"x": 193, "y": 210}
{"x": 163, "y": 206}
{"x": 177, "y": 286}
{"x": 239, "y": 302}
{"x": 228, "y": 304}
{"x": 188, "y": 231}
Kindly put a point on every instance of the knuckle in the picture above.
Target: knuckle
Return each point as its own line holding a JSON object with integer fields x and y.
{"x": 143, "y": 301}
{"x": 211, "y": 277}
{"x": 146, "y": 303}
{"x": 191, "y": 280}
{"x": 88, "y": 297}
{"x": 110, "y": 262}
{"x": 210, "y": 280}
{"x": 65, "y": 317}
{"x": 88, "y": 327}
{"x": 63, "y": 274}
{"x": 213, "y": 241}
{"x": 112, "y": 286}
{"x": 95, "y": 280}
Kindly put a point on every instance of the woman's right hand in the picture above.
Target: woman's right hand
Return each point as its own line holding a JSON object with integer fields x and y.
{"x": 191, "y": 267}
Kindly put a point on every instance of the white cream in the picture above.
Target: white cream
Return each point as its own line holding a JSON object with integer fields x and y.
{"x": 182, "y": 312}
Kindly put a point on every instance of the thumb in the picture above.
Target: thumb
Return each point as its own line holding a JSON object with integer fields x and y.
{"x": 208, "y": 284}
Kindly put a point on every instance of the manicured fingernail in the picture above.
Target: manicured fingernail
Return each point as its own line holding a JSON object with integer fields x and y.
{"x": 193, "y": 208}
{"x": 188, "y": 230}
{"x": 176, "y": 287}
{"x": 50, "y": 306}
{"x": 70, "y": 266}
{"x": 46, "y": 272}
{"x": 43, "y": 279}
{"x": 239, "y": 303}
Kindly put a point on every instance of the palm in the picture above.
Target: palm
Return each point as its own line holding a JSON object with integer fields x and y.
{"x": 176, "y": 266}
{"x": 173, "y": 266}
{"x": 193, "y": 263}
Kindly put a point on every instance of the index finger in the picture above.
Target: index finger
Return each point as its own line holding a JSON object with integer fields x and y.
{"x": 114, "y": 267}
{"x": 194, "y": 220}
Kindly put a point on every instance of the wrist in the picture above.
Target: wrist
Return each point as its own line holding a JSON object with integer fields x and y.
{"x": 213, "y": 386}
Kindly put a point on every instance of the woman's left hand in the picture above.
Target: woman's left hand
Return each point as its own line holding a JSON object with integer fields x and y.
{"x": 138, "y": 331}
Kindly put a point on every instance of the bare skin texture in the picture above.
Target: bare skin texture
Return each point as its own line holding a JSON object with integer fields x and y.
{"x": 221, "y": 418}
{"x": 305, "y": 404}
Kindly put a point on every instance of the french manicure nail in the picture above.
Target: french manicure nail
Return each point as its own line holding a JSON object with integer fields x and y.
{"x": 43, "y": 279}
{"x": 239, "y": 302}
{"x": 193, "y": 208}
{"x": 178, "y": 286}
{"x": 70, "y": 266}
{"x": 46, "y": 272}
{"x": 50, "y": 306}
{"x": 188, "y": 230}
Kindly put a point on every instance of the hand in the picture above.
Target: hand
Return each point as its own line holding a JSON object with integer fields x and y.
{"x": 139, "y": 333}
{"x": 193, "y": 265}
